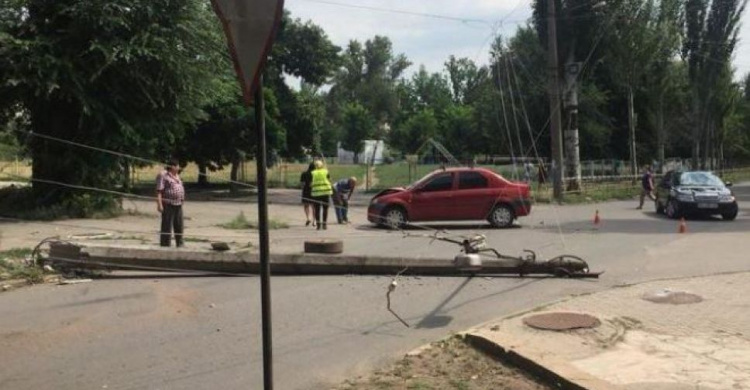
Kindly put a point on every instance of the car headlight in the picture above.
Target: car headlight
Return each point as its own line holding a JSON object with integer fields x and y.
{"x": 684, "y": 195}
{"x": 726, "y": 198}
{"x": 375, "y": 201}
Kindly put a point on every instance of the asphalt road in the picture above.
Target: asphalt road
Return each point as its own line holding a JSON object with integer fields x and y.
{"x": 135, "y": 331}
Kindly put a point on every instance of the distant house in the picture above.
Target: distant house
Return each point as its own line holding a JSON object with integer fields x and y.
{"x": 371, "y": 146}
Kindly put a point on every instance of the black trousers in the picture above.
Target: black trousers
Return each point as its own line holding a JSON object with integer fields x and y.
{"x": 321, "y": 208}
{"x": 171, "y": 217}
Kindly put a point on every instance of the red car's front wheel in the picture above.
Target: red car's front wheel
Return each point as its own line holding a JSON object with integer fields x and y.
{"x": 394, "y": 218}
{"x": 501, "y": 216}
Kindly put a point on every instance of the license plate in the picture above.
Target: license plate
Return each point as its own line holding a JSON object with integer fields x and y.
{"x": 707, "y": 205}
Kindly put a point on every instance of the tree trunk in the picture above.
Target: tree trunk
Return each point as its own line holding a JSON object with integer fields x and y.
{"x": 631, "y": 126}
{"x": 202, "y": 175}
{"x": 56, "y": 166}
{"x": 62, "y": 172}
{"x": 705, "y": 163}
{"x": 233, "y": 175}
{"x": 697, "y": 123}
{"x": 125, "y": 175}
{"x": 661, "y": 135}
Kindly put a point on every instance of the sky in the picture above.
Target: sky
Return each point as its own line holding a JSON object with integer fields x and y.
{"x": 443, "y": 27}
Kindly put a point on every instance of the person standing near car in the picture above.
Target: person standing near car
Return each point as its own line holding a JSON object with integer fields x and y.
{"x": 170, "y": 195}
{"x": 647, "y": 185}
{"x": 342, "y": 192}
{"x": 321, "y": 191}
{"x": 305, "y": 180}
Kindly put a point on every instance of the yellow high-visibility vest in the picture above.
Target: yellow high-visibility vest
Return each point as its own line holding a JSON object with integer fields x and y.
{"x": 320, "y": 184}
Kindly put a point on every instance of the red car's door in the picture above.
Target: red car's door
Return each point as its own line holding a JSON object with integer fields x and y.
{"x": 433, "y": 201}
{"x": 474, "y": 196}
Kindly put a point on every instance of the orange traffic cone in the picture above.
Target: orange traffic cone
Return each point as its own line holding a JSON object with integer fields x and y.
{"x": 683, "y": 226}
{"x": 597, "y": 220}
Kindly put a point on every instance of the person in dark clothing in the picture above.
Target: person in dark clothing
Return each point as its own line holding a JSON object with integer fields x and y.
{"x": 305, "y": 180}
{"x": 647, "y": 185}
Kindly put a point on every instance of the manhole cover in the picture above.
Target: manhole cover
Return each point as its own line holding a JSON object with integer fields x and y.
{"x": 561, "y": 321}
{"x": 672, "y": 297}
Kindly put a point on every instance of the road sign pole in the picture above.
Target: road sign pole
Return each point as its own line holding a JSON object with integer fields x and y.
{"x": 265, "y": 266}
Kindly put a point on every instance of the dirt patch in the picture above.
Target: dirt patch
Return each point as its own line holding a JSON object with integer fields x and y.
{"x": 448, "y": 364}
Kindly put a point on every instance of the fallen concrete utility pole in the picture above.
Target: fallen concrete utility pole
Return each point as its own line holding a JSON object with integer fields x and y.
{"x": 95, "y": 256}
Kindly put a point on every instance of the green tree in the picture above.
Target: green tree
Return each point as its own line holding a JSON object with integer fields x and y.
{"x": 293, "y": 118}
{"x": 311, "y": 105}
{"x": 357, "y": 126}
{"x": 130, "y": 76}
{"x": 409, "y": 136}
{"x": 631, "y": 46}
{"x": 711, "y": 38}
{"x": 425, "y": 90}
{"x": 459, "y": 131}
{"x": 465, "y": 78}
{"x": 741, "y": 142}
{"x": 369, "y": 75}
{"x": 302, "y": 50}
{"x": 228, "y": 136}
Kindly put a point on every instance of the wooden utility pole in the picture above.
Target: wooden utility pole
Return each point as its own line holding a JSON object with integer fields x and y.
{"x": 556, "y": 143}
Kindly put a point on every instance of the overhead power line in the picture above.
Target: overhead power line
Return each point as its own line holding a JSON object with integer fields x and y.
{"x": 406, "y": 12}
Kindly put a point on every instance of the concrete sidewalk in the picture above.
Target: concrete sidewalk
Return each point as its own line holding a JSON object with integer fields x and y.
{"x": 639, "y": 344}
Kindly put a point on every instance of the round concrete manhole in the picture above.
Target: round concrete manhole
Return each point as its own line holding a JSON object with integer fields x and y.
{"x": 672, "y": 297}
{"x": 561, "y": 321}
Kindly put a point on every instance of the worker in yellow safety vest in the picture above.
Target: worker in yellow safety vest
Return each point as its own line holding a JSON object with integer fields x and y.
{"x": 321, "y": 191}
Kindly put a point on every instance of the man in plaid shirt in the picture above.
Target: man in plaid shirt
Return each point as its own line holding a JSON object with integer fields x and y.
{"x": 170, "y": 194}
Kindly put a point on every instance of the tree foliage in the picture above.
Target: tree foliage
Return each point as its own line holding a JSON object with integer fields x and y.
{"x": 153, "y": 78}
{"x": 129, "y": 76}
{"x": 356, "y": 127}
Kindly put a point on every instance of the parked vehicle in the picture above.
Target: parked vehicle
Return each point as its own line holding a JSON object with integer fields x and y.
{"x": 695, "y": 192}
{"x": 453, "y": 194}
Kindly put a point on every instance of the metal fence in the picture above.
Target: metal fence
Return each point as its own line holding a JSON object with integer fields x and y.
{"x": 607, "y": 176}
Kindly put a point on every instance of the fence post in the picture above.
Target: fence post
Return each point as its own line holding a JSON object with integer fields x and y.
{"x": 367, "y": 177}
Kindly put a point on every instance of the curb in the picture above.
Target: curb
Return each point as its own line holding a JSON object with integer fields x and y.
{"x": 12, "y": 284}
{"x": 522, "y": 362}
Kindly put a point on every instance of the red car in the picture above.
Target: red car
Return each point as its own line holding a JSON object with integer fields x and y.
{"x": 453, "y": 194}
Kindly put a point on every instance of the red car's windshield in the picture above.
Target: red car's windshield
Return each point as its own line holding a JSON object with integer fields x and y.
{"x": 420, "y": 182}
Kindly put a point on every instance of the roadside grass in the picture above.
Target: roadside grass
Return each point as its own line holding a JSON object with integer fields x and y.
{"x": 589, "y": 192}
{"x": 241, "y": 222}
{"x": 737, "y": 175}
{"x": 448, "y": 364}
{"x": 21, "y": 203}
{"x": 283, "y": 175}
{"x": 13, "y": 265}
